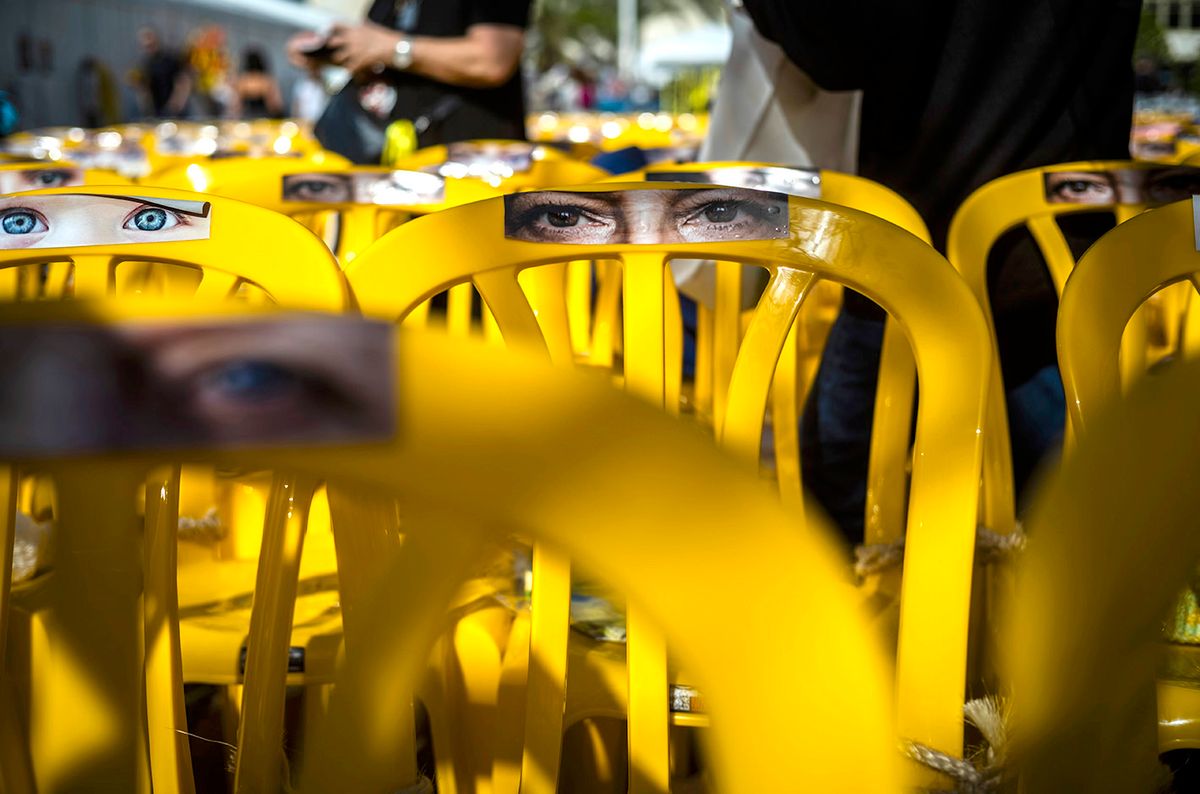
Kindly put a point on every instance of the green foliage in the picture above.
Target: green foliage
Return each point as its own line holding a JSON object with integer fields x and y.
{"x": 1151, "y": 40}
{"x": 566, "y": 26}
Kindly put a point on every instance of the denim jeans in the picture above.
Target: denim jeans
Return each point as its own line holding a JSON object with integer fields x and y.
{"x": 835, "y": 432}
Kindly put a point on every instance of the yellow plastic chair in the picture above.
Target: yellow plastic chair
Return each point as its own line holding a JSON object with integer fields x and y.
{"x": 332, "y": 199}
{"x": 825, "y": 242}
{"x": 646, "y": 516}
{"x": 547, "y": 166}
{"x": 1112, "y": 542}
{"x": 1103, "y": 293}
{"x": 1035, "y": 199}
{"x": 720, "y": 330}
{"x": 245, "y": 247}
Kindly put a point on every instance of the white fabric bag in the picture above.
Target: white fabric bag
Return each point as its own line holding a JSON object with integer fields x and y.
{"x": 767, "y": 110}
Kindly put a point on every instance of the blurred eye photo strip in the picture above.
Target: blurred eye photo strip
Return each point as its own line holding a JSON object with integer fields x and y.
{"x": 646, "y": 216}
{"x": 803, "y": 182}
{"x": 384, "y": 188}
{"x": 295, "y": 380}
{"x": 1151, "y": 186}
{"x": 20, "y": 180}
{"x": 501, "y": 158}
{"x": 78, "y": 219}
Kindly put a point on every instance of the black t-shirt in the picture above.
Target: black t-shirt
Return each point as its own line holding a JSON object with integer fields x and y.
{"x": 959, "y": 92}
{"x": 478, "y": 112}
{"x": 161, "y": 70}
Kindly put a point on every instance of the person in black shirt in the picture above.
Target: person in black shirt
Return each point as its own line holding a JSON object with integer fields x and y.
{"x": 429, "y": 50}
{"x": 955, "y": 94}
{"x": 165, "y": 78}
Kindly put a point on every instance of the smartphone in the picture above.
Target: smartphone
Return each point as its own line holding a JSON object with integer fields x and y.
{"x": 319, "y": 51}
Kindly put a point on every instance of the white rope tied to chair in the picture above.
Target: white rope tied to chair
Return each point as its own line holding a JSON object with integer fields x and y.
{"x": 990, "y": 547}
{"x": 205, "y": 529}
{"x": 967, "y": 779}
{"x": 991, "y": 716}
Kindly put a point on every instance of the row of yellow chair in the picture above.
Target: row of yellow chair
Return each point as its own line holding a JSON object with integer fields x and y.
{"x": 452, "y": 250}
{"x": 1097, "y": 532}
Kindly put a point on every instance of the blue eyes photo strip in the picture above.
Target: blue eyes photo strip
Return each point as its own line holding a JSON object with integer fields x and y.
{"x": 78, "y": 219}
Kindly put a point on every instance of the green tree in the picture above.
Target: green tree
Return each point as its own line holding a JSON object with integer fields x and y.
{"x": 1151, "y": 40}
{"x": 565, "y": 28}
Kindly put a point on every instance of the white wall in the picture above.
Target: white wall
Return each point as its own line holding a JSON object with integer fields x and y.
{"x": 108, "y": 29}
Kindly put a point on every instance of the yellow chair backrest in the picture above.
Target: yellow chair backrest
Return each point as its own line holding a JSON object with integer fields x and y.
{"x": 229, "y": 243}
{"x": 518, "y": 165}
{"x": 821, "y": 241}
{"x": 1111, "y": 281}
{"x": 657, "y": 526}
{"x": 719, "y": 335}
{"x": 1035, "y": 199}
{"x": 1113, "y": 541}
{"x": 367, "y": 200}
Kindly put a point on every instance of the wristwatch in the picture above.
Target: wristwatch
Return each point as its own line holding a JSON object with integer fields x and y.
{"x": 402, "y": 58}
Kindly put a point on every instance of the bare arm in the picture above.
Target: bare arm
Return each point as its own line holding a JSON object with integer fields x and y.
{"x": 487, "y": 56}
{"x": 180, "y": 92}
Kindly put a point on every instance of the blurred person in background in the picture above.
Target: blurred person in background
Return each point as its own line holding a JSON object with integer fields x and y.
{"x": 163, "y": 78}
{"x": 256, "y": 93}
{"x": 452, "y": 65}
{"x": 209, "y": 67}
{"x": 96, "y": 91}
{"x": 308, "y": 96}
{"x": 957, "y": 93}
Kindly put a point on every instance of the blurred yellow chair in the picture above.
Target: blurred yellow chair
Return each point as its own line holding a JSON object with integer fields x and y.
{"x": 1113, "y": 539}
{"x": 518, "y": 165}
{"x": 638, "y": 525}
{"x": 350, "y": 206}
{"x": 225, "y": 249}
{"x": 1112, "y": 280}
{"x": 824, "y": 242}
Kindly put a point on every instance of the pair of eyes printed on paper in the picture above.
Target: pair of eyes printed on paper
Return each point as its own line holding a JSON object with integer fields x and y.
{"x": 154, "y": 385}
{"x": 1148, "y": 186}
{"x": 751, "y": 204}
{"x": 382, "y": 188}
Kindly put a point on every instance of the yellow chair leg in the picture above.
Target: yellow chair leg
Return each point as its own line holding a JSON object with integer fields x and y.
{"x": 546, "y": 687}
{"x": 166, "y": 713}
{"x": 259, "y": 763}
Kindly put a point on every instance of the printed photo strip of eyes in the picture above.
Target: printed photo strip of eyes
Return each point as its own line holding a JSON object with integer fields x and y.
{"x": 1148, "y": 186}
{"x": 20, "y": 180}
{"x": 76, "y": 220}
{"x": 805, "y": 183}
{"x": 318, "y": 188}
{"x": 399, "y": 188}
{"x": 646, "y": 216}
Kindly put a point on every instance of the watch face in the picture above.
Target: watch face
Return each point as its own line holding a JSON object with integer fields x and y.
{"x": 402, "y": 57}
